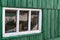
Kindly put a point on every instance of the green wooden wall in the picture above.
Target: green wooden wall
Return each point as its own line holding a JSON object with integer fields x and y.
{"x": 50, "y": 18}
{"x": 0, "y": 23}
{"x": 50, "y": 4}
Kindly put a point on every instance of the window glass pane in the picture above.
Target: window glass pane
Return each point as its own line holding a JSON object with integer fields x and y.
{"x": 10, "y": 21}
{"x": 34, "y": 20}
{"x": 23, "y": 20}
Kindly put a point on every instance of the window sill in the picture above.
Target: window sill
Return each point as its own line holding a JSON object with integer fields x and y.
{"x": 21, "y": 33}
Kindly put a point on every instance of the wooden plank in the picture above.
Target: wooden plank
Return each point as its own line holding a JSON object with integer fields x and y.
{"x": 57, "y": 38}
{"x": 56, "y": 23}
{"x": 40, "y": 37}
{"x": 44, "y": 24}
{"x": 29, "y": 3}
{"x": 31, "y": 37}
{"x": 14, "y": 3}
{"x": 59, "y": 25}
{"x": 18, "y": 3}
{"x": 48, "y": 23}
{"x": 44, "y": 4}
{"x": 23, "y": 3}
{"x": 11, "y": 3}
{"x": 52, "y": 23}
{"x": 50, "y": 4}
{"x": 34, "y": 3}
{"x": 55, "y": 4}
{"x": 0, "y": 23}
{"x": 4, "y": 2}
{"x": 39, "y": 3}
{"x": 58, "y": 4}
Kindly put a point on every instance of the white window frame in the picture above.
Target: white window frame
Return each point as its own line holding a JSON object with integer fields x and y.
{"x": 23, "y": 32}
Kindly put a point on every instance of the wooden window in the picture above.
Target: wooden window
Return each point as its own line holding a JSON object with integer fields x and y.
{"x": 20, "y": 21}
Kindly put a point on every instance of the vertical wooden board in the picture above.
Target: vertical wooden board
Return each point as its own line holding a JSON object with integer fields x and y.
{"x": 34, "y": 3}
{"x": 58, "y": 38}
{"x": 40, "y": 37}
{"x": 55, "y": 4}
{"x": 58, "y": 4}
{"x": 23, "y": 3}
{"x": 52, "y": 23}
{"x": 0, "y": 3}
{"x": 29, "y": 3}
{"x": 48, "y": 23}
{"x": 56, "y": 23}
{"x": 11, "y": 3}
{"x": 21, "y": 38}
{"x": 35, "y": 37}
{"x": 18, "y": 3}
{"x": 38, "y": 3}
{"x": 25, "y": 38}
{"x": 0, "y": 23}
{"x": 44, "y": 3}
{"x": 31, "y": 37}
{"x": 28, "y": 38}
{"x": 4, "y": 2}
{"x": 59, "y": 25}
{"x": 44, "y": 24}
{"x": 49, "y": 3}
{"x": 14, "y": 3}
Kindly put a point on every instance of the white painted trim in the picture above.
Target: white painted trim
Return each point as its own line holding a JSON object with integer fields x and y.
{"x": 20, "y": 33}
{"x": 17, "y": 27}
{"x": 29, "y": 21}
{"x": 3, "y": 21}
{"x": 40, "y": 20}
{"x": 21, "y": 9}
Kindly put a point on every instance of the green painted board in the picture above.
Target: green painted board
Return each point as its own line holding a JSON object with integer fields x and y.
{"x": 59, "y": 24}
{"x": 4, "y": 2}
{"x": 39, "y": 3}
{"x": 58, "y": 4}
{"x": 0, "y": 23}
{"x": 18, "y": 3}
{"x": 55, "y": 4}
{"x": 23, "y": 3}
{"x": 52, "y": 23}
{"x": 34, "y": 3}
{"x": 56, "y": 23}
{"x": 11, "y": 3}
{"x": 57, "y": 38}
{"x": 44, "y": 23}
{"x": 29, "y": 3}
{"x": 43, "y": 3}
{"x": 48, "y": 23}
{"x": 50, "y": 4}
